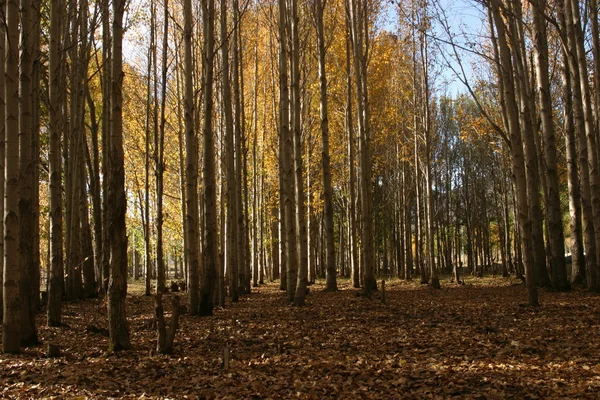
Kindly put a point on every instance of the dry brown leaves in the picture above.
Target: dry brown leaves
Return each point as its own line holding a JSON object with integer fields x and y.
{"x": 474, "y": 341}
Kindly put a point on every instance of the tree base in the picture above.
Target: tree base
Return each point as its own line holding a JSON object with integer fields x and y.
{"x": 206, "y": 307}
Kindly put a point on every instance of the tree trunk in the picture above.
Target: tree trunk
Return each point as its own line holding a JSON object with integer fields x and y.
{"x": 524, "y": 97}
{"x": 106, "y": 118}
{"x": 360, "y": 41}
{"x": 351, "y": 170}
{"x": 117, "y": 288}
{"x": 55, "y": 168}
{"x": 575, "y": 211}
{"x": 286, "y": 146}
{"x": 11, "y": 323}
{"x": 589, "y": 234}
{"x": 301, "y": 233}
{"x": 327, "y": 189}
{"x": 3, "y": 148}
{"x": 182, "y": 180}
{"x": 206, "y": 300}
{"x": 517, "y": 156}
{"x": 593, "y": 276}
{"x": 35, "y": 151}
{"x": 191, "y": 168}
{"x": 87, "y": 264}
{"x": 595, "y": 36}
{"x": 553, "y": 212}
{"x": 146, "y": 217}
{"x": 26, "y": 173}
{"x": 230, "y": 201}
{"x": 435, "y": 282}
{"x": 159, "y": 148}
{"x": 166, "y": 336}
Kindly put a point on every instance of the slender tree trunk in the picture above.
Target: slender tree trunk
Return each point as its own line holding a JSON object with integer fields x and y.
{"x": 407, "y": 223}
{"x": 106, "y": 123}
{"x": 182, "y": 176}
{"x": 232, "y": 232}
{"x": 256, "y": 213}
{"x": 159, "y": 149}
{"x": 2, "y": 147}
{"x": 87, "y": 263}
{"x": 93, "y": 164}
{"x": 301, "y": 233}
{"x": 327, "y": 189}
{"x": 595, "y": 36}
{"x": 147, "y": 128}
{"x": 26, "y": 173}
{"x": 117, "y": 288}
{"x": 589, "y": 234}
{"x": 241, "y": 187}
{"x": 553, "y": 212}
{"x": 435, "y": 282}
{"x": 191, "y": 168}
{"x": 351, "y": 157}
{"x": 524, "y": 97}
{"x": 285, "y": 157}
{"x": 55, "y": 169}
{"x": 575, "y": 212}
{"x": 11, "y": 323}
{"x": 72, "y": 145}
{"x": 593, "y": 276}
{"x": 517, "y": 156}
{"x": 206, "y": 300}
{"x": 360, "y": 41}
{"x": 35, "y": 150}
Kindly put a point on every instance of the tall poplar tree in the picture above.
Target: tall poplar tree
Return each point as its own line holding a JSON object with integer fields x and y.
{"x": 117, "y": 288}
{"x": 331, "y": 284}
{"x": 359, "y": 28}
{"x": 210, "y": 253}
{"x": 55, "y": 168}
{"x": 11, "y": 322}
{"x": 191, "y": 164}
{"x": 26, "y": 174}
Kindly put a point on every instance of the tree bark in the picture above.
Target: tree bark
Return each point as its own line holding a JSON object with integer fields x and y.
{"x": 589, "y": 234}
{"x": 2, "y": 148}
{"x": 575, "y": 201}
{"x": 301, "y": 232}
{"x": 578, "y": 49}
{"x": 517, "y": 156}
{"x": 106, "y": 121}
{"x": 55, "y": 168}
{"x": 191, "y": 168}
{"x": 285, "y": 157}
{"x": 360, "y": 41}
{"x": 206, "y": 300}
{"x": 159, "y": 148}
{"x": 232, "y": 233}
{"x": 117, "y": 288}
{"x": 355, "y": 269}
{"x": 26, "y": 173}
{"x": 87, "y": 263}
{"x": 11, "y": 322}
{"x": 553, "y": 212}
{"x": 331, "y": 284}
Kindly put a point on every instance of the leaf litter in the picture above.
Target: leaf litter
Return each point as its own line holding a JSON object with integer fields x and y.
{"x": 474, "y": 341}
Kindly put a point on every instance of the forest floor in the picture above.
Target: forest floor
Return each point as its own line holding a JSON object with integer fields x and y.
{"x": 471, "y": 341}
